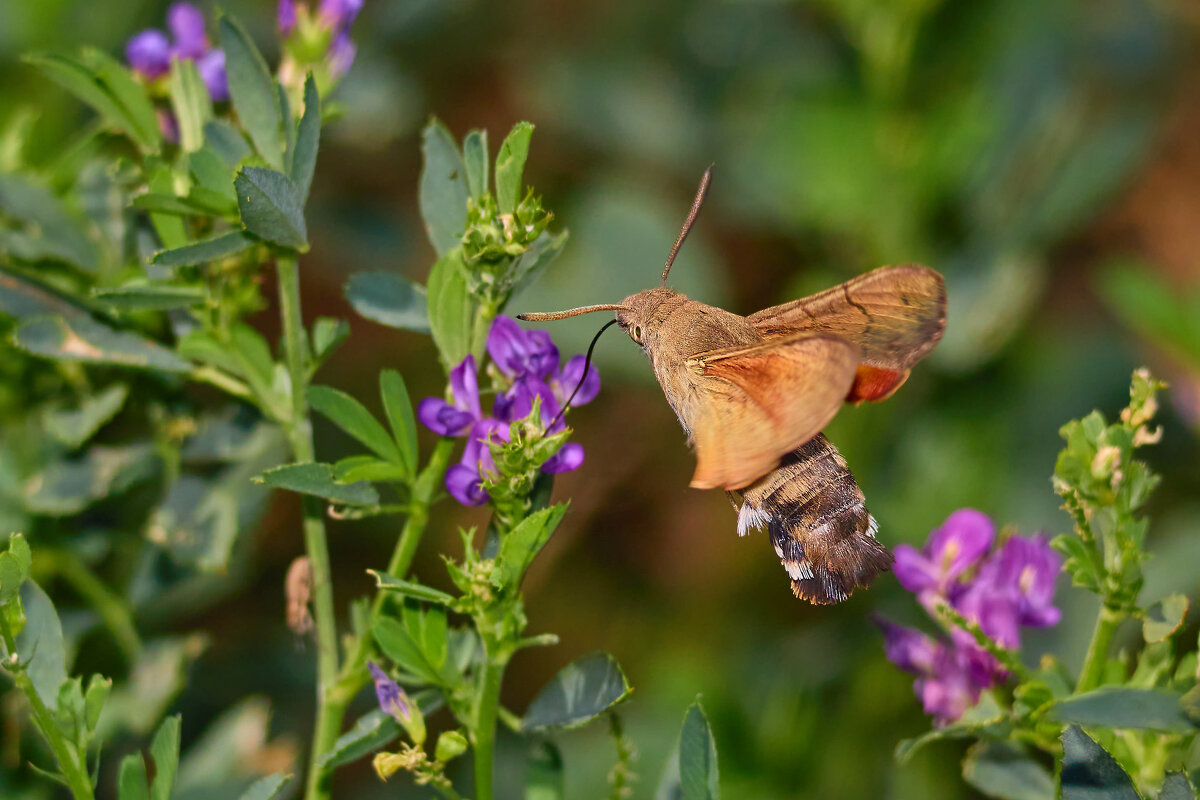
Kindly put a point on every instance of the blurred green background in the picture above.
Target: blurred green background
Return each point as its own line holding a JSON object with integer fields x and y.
{"x": 1042, "y": 155}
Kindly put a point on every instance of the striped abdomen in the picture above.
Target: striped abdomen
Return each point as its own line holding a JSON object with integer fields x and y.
{"x": 818, "y": 522}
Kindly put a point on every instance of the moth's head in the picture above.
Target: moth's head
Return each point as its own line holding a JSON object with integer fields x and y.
{"x": 641, "y": 315}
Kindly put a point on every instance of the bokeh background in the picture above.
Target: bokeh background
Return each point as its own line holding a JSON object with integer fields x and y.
{"x": 1043, "y": 155}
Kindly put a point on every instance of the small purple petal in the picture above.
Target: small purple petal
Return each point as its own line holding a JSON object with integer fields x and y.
{"x": 995, "y": 612}
{"x": 517, "y": 402}
{"x": 949, "y": 692}
{"x": 913, "y": 570}
{"x": 391, "y": 697}
{"x": 569, "y": 378}
{"x": 341, "y": 54}
{"x": 518, "y": 353}
{"x": 443, "y": 418}
{"x": 186, "y": 23}
{"x": 211, "y": 67}
{"x": 464, "y": 485}
{"x": 569, "y": 457}
{"x": 1026, "y": 568}
{"x": 464, "y": 385}
{"x": 961, "y": 541}
{"x": 908, "y": 648}
{"x": 285, "y": 16}
{"x": 338, "y": 14}
{"x": 149, "y": 53}
{"x": 168, "y": 126}
{"x": 478, "y": 453}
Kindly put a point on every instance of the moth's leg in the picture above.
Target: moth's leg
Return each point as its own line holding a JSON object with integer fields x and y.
{"x": 733, "y": 501}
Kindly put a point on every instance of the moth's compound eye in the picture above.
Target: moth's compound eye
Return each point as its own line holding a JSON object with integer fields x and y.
{"x": 636, "y": 333}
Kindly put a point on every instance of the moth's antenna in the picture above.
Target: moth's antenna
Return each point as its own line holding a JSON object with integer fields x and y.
{"x": 587, "y": 363}
{"x": 551, "y": 316}
{"x": 687, "y": 224}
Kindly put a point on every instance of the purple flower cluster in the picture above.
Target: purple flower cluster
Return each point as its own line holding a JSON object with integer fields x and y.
{"x": 528, "y": 363}
{"x": 333, "y": 16}
{"x": 1003, "y": 590}
{"x": 149, "y": 53}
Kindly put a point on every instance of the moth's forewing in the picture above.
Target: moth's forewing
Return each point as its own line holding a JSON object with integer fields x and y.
{"x": 756, "y": 403}
{"x": 818, "y": 523}
{"x": 893, "y": 315}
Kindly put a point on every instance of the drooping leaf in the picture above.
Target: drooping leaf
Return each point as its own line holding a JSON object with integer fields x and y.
{"x": 1089, "y": 772}
{"x": 475, "y": 158}
{"x": 165, "y": 751}
{"x": 510, "y": 165}
{"x": 271, "y": 207}
{"x": 252, "y": 90}
{"x": 84, "y": 339}
{"x": 450, "y": 309}
{"x": 304, "y": 156}
{"x": 352, "y": 417}
{"x": 1164, "y": 618}
{"x": 399, "y": 410}
{"x": 205, "y": 250}
{"x": 443, "y": 197}
{"x": 191, "y": 103}
{"x": 73, "y": 427}
{"x": 317, "y": 479}
{"x": 1125, "y": 707}
{"x": 580, "y": 692}
{"x": 265, "y": 788}
{"x": 544, "y": 778}
{"x": 416, "y": 591}
{"x": 1004, "y": 771}
{"x": 521, "y": 545}
{"x": 147, "y": 295}
{"x": 389, "y": 299}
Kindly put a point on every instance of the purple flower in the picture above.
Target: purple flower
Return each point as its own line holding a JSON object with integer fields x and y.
{"x": 908, "y": 648}
{"x": 341, "y": 54}
{"x": 454, "y": 419}
{"x": 519, "y": 353}
{"x": 951, "y": 550}
{"x": 1025, "y": 570}
{"x": 464, "y": 480}
{"x": 285, "y": 16}
{"x": 948, "y": 690}
{"x": 339, "y": 14}
{"x": 564, "y": 382}
{"x": 392, "y": 698}
{"x": 568, "y": 457}
{"x": 211, "y": 67}
{"x": 149, "y": 53}
{"x": 186, "y": 23}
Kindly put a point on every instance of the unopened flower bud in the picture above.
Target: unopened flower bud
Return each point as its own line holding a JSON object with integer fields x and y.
{"x": 450, "y": 745}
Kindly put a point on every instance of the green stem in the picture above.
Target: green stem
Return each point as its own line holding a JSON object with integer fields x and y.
{"x": 1092, "y": 671}
{"x": 299, "y": 429}
{"x": 70, "y": 762}
{"x": 113, "y": 610}
{"x": 487, "y": 705}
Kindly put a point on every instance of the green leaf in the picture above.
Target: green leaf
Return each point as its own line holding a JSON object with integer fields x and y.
{"x": 165, "y": 751}
{"x": 368, "y": 468}
{"x": 399, "y": 644}
{"x": 450, "y": 309}
{"x": 83, "y": 339}
{"x": 23, "y": 297}
{"x": 986, "y": 715}
{"x": 304, "y": 156}
{"x": 97, "y": 692}
{"x": 1090, "y": 773}
{"x": 270, "y": 206}
{"x": 169, "y": 204}
{"x": 254, "y": 356}
{"x": 130, "y": 97}
{"x": 443, "y": 197}
{"x": 389, "y": 299}
{"x": 544, "y": 773}
{"x": 580, "y": 692}
{"x": 50, "y": 228}
{"x": 327, "y": 335}
{"x": 399, "y": 410}
{"x": 521, "y": 545}
{"x": 205, "y": 250}
{"x": 541, "y": 254}
{"x": 317, "y": 479}
{"x": 131, "y": 778}
{"x": 289, "y": 126}
{"x": 67, "y": 487}
{"x": 408, "y": 589}
{"x": 212, "y": 174}
{"x": 251, "y": 90}
{"x": 265, "y": 788}
{"x": 75, "y": 427}
{"x": 1176, "y": 786}
{"x": 475, "y": 158}
{"x": 352, "y": 417}
{"x": 372, "y": 731}
{"x": 191, "y": 103}
{"x": 1125, "y": 707}
{"x": 510, "y": 164}
{"x": 169, "y": 227}
{"x": 1004, "y": 771}
{"x": 1164, "y": 618}
{"x": 100, "y": 93}
{"x": 14, "y": 566}
{"x": 692, "y": 772}
{"x": 145, "y": 295}
{"x": 41, "y": 643}
{"x": 226, "y": 141}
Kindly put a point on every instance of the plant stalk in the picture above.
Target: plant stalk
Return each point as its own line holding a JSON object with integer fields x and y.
{"x": 1092, "y": 671}
{"x": 299, "y": 428}
{"x": 486, "y": 708}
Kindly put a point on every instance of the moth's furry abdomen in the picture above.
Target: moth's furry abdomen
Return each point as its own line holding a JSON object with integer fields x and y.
{"x": 818, "y": 523}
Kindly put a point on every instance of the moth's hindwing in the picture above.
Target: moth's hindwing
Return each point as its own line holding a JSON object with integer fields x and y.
{"x": 818, "y": 523}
